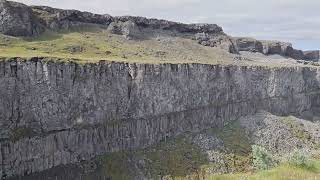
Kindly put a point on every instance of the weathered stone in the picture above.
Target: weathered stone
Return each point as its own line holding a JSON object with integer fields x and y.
{"x": 57, "y": 19}
{"x": 80, "y": 111}
{"x": 275, "y": 47}
{"x": 249, "y": 44}
{"x": 294, "y": 53}
{"x": 216, "y": 40}
{"x": 74, "y": 49}
{"x": 128, "y": 29}
{"x": 312, "y": 55}
{"x": 17, "y": 19}
{"x": 172, "y": 26}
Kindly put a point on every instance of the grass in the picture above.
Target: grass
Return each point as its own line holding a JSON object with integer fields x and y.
{"x": 282, "y": 172}
{"x": 97, "y": 44}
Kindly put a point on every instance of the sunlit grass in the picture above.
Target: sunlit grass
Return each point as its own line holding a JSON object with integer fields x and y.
{"x": 282, "y": 172}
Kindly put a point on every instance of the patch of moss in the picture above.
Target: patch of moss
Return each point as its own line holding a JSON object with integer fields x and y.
{"x": 173, "y": 158}
{"x": 22, "y": 132}
{"x": 113, "y": 166}
{"x": 177, "y": 158}
{"x": 234, "y": 138}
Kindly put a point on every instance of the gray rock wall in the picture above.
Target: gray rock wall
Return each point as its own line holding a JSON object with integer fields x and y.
{"x": 61, "y": 113}
{"x": 312, "y": 55}
{"x": 17, "y": 19}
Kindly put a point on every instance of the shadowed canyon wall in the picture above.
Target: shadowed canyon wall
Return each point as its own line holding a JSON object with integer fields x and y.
{"x": 54, "y": 113}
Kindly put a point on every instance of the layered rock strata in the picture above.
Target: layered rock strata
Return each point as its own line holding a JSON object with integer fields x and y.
{"x": 62, "y": 113}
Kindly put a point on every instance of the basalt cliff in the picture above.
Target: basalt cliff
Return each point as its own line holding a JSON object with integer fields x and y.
{"x": 61, "y": 113}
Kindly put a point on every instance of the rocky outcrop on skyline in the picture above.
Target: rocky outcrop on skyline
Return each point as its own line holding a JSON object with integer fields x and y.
{"x": 274, "y": 47}
{"x": 17, "y": 19}
{"x": 20, "y": 20}
{"x": 312, "y": 55}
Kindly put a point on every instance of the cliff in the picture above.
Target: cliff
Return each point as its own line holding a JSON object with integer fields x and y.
{"x": 61, "y": 104}
{"x": 20, "y": 20}
{"x": 62, "y": 113}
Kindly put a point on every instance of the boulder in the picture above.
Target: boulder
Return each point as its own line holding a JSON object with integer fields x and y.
{"x": 219, "y": 40}
{"x": 128, "y": 29}
{"x": 248, "y": 44}
{"x": 114, "y": 28}
{"x": 294, "y": 53}
{"x": 17, "y": 19}
{"x": 275, "y": 47}
{"x": 312, "y": 55}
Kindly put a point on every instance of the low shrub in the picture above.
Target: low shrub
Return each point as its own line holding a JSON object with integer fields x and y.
{"x": 300, "y": 158}
{"x": 262, "y": 159}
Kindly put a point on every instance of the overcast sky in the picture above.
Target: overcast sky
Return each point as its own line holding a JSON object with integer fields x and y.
{"x": 296, "y": 21}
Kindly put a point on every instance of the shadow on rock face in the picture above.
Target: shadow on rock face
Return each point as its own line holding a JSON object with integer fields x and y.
{"x": 17, "y": 19}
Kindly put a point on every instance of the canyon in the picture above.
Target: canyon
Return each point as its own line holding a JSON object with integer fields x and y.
{"x": 58, "y": 112}
{"x": 62, "y": 113}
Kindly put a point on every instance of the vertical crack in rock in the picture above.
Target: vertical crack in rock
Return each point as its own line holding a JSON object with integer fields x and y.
{"x": 132, "y": 106}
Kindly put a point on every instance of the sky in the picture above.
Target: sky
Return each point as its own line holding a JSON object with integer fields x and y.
{"x": 295, "y": 21}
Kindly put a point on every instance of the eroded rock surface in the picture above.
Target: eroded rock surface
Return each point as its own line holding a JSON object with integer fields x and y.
{"x": 128, "y": 29}
{"x": 216, "y": 40}
{"x": 312, "y": 55}
{"x": 17, "y": 19}
{"x": 249, "y": 44}
{"x": 62, "y": 113}
{"x": 20, "y": 20}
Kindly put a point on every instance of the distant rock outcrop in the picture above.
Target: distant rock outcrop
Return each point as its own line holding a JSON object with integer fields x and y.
{"x": 294, "y": 53}
{"x": 312, "y": 55}
{"x": 274, "y": 47}
{"x": 216, "y": 40}
{"x": 249, "y": 44}
{"x": 56, "y": 19}
{"x": 128, "y": 29}
{"x": 17, "y": 19}
{"x": 172, "y": 26}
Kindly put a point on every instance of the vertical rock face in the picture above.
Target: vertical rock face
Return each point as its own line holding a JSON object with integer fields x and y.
{"x": 58, "y": 19}
{"x": 294, "y": 53}
{"x": 275, "y": 47}
{"x": 17, "y": 19}
{"x": 61, "y": 113}
{"x": 249, "y": 44}
{"x": 312, "y": 55}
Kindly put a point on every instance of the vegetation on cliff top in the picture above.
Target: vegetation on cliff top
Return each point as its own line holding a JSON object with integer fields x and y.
{"x": 92, "y": 44}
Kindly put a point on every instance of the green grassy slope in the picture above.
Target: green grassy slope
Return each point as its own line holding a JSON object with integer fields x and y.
{"x": 94, "y": 44}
